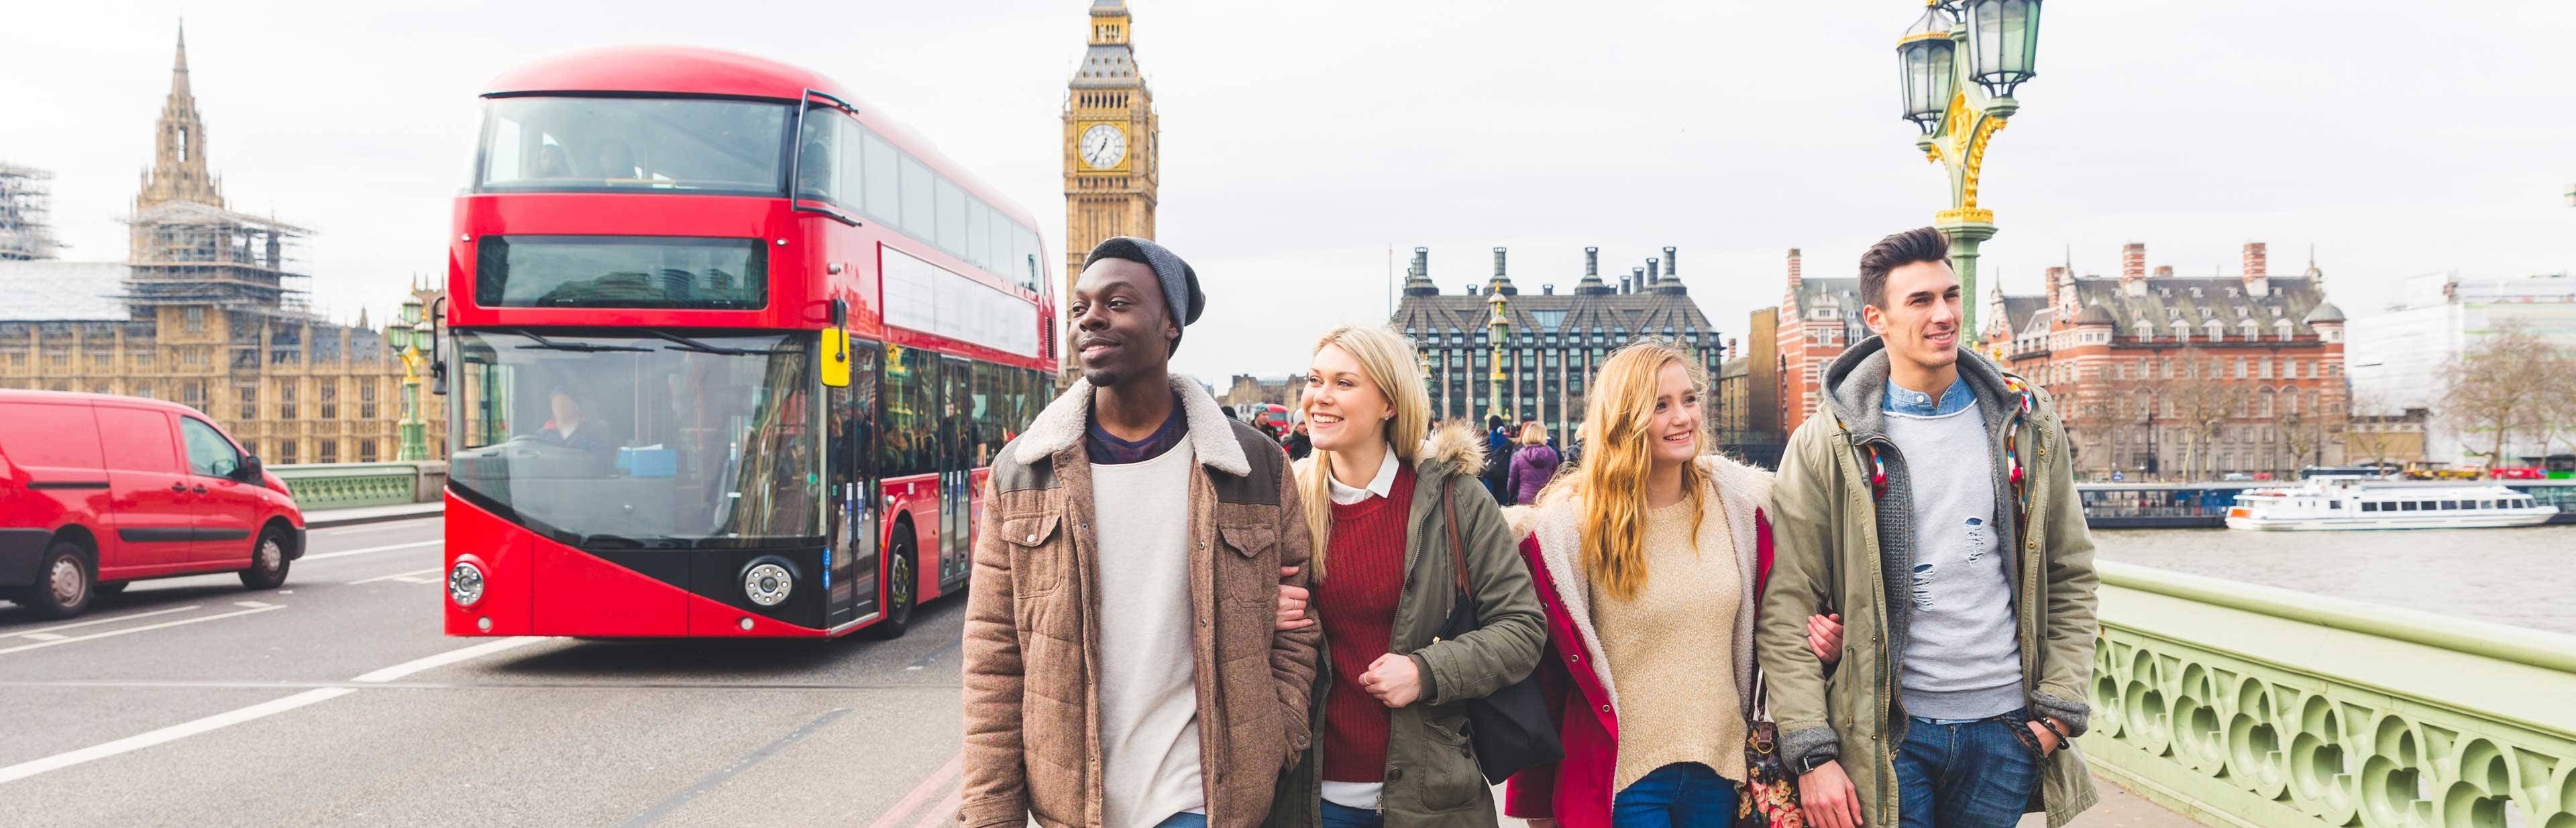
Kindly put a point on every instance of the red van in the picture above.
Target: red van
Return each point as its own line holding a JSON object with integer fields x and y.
{"x": 99, "y": 490}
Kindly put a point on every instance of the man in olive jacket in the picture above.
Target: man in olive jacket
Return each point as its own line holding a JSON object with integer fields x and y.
{"x": 1122, "y": 670}
{"x": 1931, "y": 502}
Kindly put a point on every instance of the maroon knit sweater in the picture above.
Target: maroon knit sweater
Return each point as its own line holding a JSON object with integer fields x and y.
{"x": 1363, "y": 576}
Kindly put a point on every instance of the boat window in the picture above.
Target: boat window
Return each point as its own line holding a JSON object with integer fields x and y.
{"x": 2368, "y": 506}
{"x": 2450, "y": 504}
{"x": 2486, "y": 504}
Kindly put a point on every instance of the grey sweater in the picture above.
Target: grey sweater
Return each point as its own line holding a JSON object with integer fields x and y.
{"x": 1856, "y": 388}
{"x": 1962, "y": 661}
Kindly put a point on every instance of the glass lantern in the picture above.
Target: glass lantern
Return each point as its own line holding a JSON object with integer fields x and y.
{"x": 2003, "y": 43}
{"x": 1924, "y": 54}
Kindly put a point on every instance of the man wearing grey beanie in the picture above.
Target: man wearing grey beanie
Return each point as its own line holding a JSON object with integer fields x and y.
{"x": 1102, "y": 688}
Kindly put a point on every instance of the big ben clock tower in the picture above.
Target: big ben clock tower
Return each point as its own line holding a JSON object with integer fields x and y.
{"x": 1110, "y": 144}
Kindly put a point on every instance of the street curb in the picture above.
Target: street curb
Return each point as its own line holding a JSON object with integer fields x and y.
{"x": 426, "y": 510}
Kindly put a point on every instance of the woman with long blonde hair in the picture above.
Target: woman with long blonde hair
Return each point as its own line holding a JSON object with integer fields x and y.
{"x": 1652, "y": 549}
{"x": 1385, "y": 507}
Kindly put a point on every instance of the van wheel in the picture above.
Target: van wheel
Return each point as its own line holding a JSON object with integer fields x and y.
{"x": 64, "y": 584}
{"x": 901, "y": 585}
{"x": 267, "y": 562}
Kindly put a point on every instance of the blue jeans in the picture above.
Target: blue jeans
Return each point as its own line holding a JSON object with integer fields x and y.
{"x": 1971, "y": 774}
{"x": 1344, "y": 816}
{"x": 1184, "y": 819}
{"x": 1679, "y": 795}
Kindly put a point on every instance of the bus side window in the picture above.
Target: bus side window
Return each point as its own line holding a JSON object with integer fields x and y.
{"x": 818, "y": 157}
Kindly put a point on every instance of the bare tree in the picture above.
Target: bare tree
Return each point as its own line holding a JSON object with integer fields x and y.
{"x": 2553, "y": 419}
{"x": 2500, "y": 385}
{"x": 2199, "y": 400}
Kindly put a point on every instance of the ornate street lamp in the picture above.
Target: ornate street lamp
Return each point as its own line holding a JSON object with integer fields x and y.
{"x": 408, "y": 333}
{"x": 1925, "y": 54}
{"x": 1959, "y": 101}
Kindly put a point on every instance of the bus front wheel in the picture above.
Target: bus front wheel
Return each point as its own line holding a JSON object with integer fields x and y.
{"x": 901, "y": 585}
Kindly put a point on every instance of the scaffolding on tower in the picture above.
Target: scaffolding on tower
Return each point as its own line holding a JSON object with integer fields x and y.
{"x": 187, "y": 253}
{"x": 26, "y": 226}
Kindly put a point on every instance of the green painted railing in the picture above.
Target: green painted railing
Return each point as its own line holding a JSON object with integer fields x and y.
{"x": 319, "y": 486}
{"x": 2241, "y": 705}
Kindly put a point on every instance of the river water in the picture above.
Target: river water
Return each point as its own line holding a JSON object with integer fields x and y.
{"x": 2525, "y": 577}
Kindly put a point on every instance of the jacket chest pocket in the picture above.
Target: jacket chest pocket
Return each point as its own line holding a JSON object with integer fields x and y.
{"x": 1039, "y": 553}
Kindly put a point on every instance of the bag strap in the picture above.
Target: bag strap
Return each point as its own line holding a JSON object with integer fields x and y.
{"x": 1457, "y": 549}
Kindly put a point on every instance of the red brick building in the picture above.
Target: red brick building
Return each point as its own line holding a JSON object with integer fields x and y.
{"x": 2156, "y": 375}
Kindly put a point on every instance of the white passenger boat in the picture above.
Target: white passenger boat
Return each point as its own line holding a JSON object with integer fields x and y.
{"x": 2327, "y": 504}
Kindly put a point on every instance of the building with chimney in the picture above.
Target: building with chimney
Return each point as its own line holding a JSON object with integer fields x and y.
{"x": 2155, "y": 375}
{"x": 2182, "y": 376}
{"x": 205, "y": 311}
{"x": 1815, "y": 321}
{"x": 1493, "y": 348}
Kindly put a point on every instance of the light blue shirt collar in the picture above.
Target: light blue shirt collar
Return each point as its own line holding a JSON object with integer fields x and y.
{"x": 1901, "y": 400}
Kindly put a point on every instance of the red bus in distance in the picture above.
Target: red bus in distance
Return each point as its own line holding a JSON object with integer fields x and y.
{"x": 728, "y": 353}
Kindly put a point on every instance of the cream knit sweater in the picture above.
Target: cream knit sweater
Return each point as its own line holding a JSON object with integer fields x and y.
{"x": 1667, "y": 650}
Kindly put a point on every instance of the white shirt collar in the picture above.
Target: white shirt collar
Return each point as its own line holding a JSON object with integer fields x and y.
{"x": 1381, "y": 485}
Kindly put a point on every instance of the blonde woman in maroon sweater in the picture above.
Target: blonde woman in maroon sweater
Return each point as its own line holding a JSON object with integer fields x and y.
{"x": 1390, "y": 746}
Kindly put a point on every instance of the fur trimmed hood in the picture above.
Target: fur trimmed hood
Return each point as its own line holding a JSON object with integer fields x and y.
{"x": 1454, "y": 449}
{"x": 1061, "y": 425}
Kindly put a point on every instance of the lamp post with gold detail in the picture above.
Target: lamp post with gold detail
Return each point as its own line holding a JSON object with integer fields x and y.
{"x": 1499, "y": 329}
{"x": 1960, "y": 63}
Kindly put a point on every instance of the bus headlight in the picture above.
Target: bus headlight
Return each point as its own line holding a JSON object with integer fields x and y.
{"x": 768, "y": 582}
{"x": 465, "y": 583}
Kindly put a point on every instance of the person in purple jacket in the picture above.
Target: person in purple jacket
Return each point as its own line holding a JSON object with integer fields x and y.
{"x": 1532, "y": 466}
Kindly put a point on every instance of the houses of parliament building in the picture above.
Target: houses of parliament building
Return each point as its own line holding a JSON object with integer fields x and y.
{"x": 204, "y": 312}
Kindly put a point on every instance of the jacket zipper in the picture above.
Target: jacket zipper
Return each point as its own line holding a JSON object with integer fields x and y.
{"x": 1886, "y": 765}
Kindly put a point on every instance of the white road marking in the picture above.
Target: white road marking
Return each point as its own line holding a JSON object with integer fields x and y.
{"x": 145, "y": 628}
{"x": 172, "y": 733}
{"x": 96, "y": 621}
{"x": 261, "y": 710}
{"x": 253, "y": 604}
{"x": 46, "y": 636}
{"x": 398, "y": 671}
{"x": 398, "y": 576}
{"x": 371, "y": 550}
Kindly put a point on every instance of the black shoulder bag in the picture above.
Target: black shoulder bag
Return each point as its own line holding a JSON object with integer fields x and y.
{"x": 1511, "y": 728}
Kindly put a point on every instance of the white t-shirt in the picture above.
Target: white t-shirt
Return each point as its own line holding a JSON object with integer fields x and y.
{"x": 1149, "y": 704}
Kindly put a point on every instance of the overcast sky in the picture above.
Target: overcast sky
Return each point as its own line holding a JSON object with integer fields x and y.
{"x": 1302, "y": 140}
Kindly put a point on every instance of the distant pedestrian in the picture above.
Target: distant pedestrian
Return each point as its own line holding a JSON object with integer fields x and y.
{"x": 1498, "y": 456}
{"x": 1532, "y": 466}
{"x": 1299, "y": 443}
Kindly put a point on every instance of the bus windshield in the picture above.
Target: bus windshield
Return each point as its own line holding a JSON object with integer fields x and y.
{"x": 561, "y": 144}
{"x": 650, "y": 440}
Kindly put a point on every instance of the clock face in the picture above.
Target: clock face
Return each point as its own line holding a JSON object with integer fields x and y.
{"x": 1103, "y": 146}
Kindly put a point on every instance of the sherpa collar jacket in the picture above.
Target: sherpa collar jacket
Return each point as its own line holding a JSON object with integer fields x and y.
{"x": 1032, "y": 637}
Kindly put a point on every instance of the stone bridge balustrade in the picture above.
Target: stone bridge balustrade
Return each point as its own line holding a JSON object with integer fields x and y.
{"x": 2242, "y": 705}
{"x": 319, "y": 486}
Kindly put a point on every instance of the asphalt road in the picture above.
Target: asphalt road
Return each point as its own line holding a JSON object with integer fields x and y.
{"x": 334, "y": 700}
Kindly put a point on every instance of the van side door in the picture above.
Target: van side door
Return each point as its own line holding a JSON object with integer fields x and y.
{"x": 156, "y": 513}
{"x": 225, "y": 507}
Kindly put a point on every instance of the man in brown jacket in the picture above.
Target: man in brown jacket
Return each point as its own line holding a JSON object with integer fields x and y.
{"x": 1122, "y": 670}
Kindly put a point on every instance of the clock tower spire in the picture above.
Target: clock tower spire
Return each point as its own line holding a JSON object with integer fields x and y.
{"x": 1111, "y": 142}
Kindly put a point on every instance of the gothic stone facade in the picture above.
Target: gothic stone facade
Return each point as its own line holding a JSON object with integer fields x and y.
{"x": 1552, "y": 342}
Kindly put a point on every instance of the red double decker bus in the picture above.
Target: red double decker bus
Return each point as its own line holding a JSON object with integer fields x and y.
{"x": 728, "y": 354}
